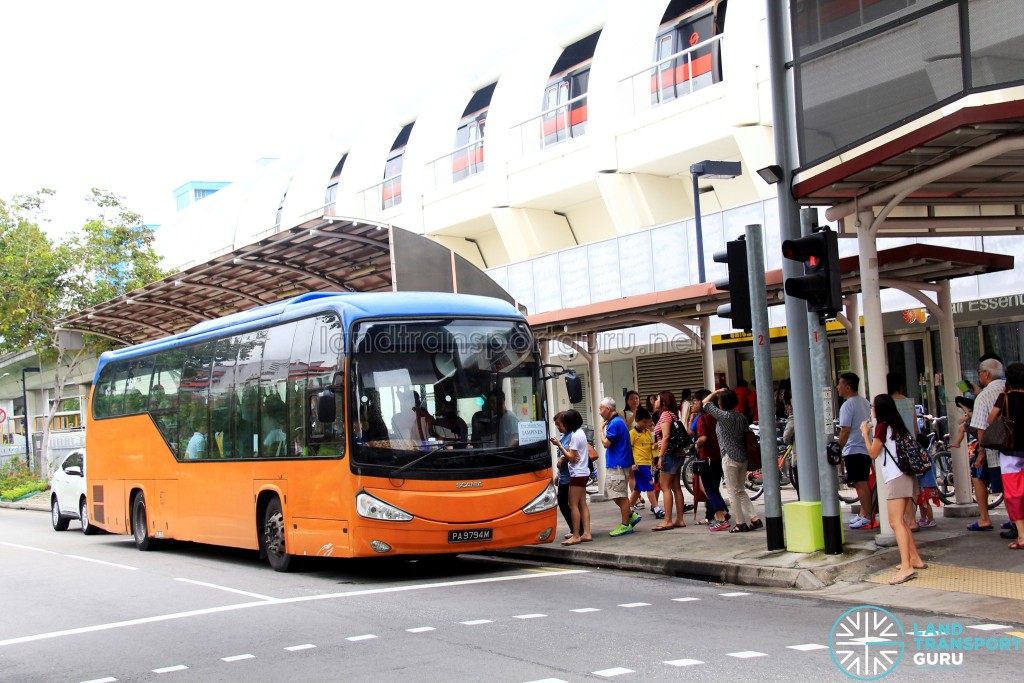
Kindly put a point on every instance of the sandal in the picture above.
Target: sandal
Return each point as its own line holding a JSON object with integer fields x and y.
{"x": 756, "y": 524}
{"x": 739, "y": 529}
{"x": 572, "y": 542}
{"x": 662, "y": 527}
{"x": 897, "y": 580}
{"x": 1016, "y": 545}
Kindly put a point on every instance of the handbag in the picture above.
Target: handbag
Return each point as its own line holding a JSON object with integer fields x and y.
{"x": 999, "y": 434}
{"x": 591, "y": 452}
{"x": 753, "y": 451}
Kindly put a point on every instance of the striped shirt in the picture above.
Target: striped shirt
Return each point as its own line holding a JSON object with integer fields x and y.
{"x": 731, "y": 431}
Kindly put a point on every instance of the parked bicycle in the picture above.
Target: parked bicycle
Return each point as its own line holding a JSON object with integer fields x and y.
{"x": 942, "y": 460}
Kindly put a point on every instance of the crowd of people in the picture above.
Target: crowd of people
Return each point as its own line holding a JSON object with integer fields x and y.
{"x": 645, "y": 447}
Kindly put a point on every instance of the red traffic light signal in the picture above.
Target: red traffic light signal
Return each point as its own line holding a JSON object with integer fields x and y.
{"x": 820, "y": 285}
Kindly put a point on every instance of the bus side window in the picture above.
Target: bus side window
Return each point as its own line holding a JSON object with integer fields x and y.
{"x": 163, "y": 395}
{"x": 274, "y": 427}
{"x": 246, "y": 419}
{"x": 298, "y": 378}
{"x": 326, "y": 346}
{"x": 222, "y": 399}
{"x": 193, "y": 400}
{"x": 136, "y": 392}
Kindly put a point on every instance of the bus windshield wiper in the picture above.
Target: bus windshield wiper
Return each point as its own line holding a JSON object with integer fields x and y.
{"x": 417, "y": 461}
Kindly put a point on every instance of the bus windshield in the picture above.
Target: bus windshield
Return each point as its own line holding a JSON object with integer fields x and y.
{"x": 446, "y": 398}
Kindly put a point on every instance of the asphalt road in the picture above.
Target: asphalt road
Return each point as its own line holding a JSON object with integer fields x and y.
{"x": 79, "y": 608}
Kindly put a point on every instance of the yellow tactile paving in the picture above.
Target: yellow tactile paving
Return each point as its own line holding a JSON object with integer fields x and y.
{"x": 949, "y": 578}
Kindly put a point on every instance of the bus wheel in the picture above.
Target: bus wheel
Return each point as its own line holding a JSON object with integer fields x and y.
{"x": 273, "y": 537}
{"x": 140, "y": 524}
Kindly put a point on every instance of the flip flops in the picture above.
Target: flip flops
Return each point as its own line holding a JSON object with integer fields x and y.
{"x": 973, "y": 526}
{"x": 897, "y": 580}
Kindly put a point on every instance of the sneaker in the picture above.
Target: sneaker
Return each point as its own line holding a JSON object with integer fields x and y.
{"x": 1006, "y": 525}
{"x": 621, "y": 530}
{"x": 658, "y": 513}
{"x": 927, "y": 523}
{"x": 634, "y": 520}
{"x": 687, "y": 507}
{"x": 718, "y": 526}
{"x": 859, "y": 522}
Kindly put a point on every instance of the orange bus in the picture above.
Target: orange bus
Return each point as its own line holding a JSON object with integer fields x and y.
{"x": 330, "y": 424}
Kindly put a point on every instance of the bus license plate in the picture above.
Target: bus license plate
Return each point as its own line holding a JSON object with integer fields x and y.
{"x": 469, "y": 535}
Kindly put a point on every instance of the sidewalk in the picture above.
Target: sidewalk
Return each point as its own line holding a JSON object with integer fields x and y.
{"x": 969, "y": 573}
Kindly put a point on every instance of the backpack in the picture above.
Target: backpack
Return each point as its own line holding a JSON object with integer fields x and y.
{"x": 911, "y": 458}
{"x": 678, "y": 439}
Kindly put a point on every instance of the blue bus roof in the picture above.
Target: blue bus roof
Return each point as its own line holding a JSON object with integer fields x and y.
{"x": 350, "y": 306}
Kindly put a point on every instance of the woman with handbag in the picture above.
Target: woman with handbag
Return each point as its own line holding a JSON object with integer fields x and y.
{"x": 709, "y": 467}
{"x": 1009, "y": 412}
{"x": 575, "y": 453}
{"x": 671, "y": 462}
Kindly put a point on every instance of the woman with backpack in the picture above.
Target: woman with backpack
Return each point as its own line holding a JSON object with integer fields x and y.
{"x": 671, "y": 461}
{"x": 901, "y": 488}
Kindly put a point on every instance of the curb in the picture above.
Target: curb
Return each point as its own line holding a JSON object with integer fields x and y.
{"x": 713, "y": 571}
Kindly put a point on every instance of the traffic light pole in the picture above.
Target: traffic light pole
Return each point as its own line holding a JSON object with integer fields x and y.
{"x": 763, "y": 377}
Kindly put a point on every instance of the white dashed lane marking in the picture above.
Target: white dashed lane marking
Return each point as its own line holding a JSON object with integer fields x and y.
{"x": 683, "y": 662}
{"x": 807, "y": 647}
{"x": 296, "y": 648}
{"x": 237, "y": 658}
{"x": 636, "y": 604}
{"x": 548, "y": 680}
{"x": 421, "y": 629}
{"x": 368, "y": 636}
{"x": 585, "y": 609}
{"x": 747, "y": 654}
{"x": 108, "y": 679}
{"x": 229, "y": 590}
{"x": 529, "y": 616}
{"x": 989, "y": 627}
{"x": 685, "y": 599}
{"x": 732, "y": 595}
{"x": 617, "y": 671}
{"x": 476, "y": 622}
{"x": 109, "y": 564}
{"x": 170, "y": 669}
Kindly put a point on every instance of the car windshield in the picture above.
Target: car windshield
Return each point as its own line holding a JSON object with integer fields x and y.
{"x": 446, "y": 395}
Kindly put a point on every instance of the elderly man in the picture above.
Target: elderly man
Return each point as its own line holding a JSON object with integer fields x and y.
{"x": 618, "y": 460}
{"x": 985, "y": 468}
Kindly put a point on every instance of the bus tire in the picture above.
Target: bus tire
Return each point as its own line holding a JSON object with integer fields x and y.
{"x": 273, "y": 537}
{"x": 140, "y": 524}
{"x": 88, "y": 528}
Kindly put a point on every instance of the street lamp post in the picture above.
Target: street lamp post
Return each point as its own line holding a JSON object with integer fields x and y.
{"x": 720, "y": 170}
{"x": 24, "y": 403}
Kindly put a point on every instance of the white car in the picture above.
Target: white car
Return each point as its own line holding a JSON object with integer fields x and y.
{"x": 67, "y": 493}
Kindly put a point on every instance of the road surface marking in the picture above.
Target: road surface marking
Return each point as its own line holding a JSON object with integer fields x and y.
{"x": 684, "y": 599}
{"x": 296, "y": 648}
{"x": 807, "y": 647}
{"x": 585, "y": 609}
{"x": 617, "y": 671}
{"x": 421, "y": 629}
{"x": 169, "y": 669}
{"x": 746, "y": 654}
{"x": 28, "y": 547}
{"x": 109, "y": 564}
{"x": 476, "y": 622}
{"x": 108, "y": 679}
{"x": 683, "y": 662}
{"x": 229, "y": 590}
{"x": 989, "y": 627}
{"x": 636, "y": 604}
{"x": 237, "y": 658}
{"x": 548, "y": 680}
{"x": 283, "y": 601}
{"x": 528, "y": 616}
{"x": 367, "y": 636}
{"x": 732, "y": 595}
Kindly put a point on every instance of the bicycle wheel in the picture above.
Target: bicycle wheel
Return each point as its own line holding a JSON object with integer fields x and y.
{"x": 686, "y": 473}
{"x": 942, "y": 463}
{"x": 754, "y": 484}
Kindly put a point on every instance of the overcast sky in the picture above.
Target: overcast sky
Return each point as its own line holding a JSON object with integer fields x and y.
{"x": 142, "y": 97}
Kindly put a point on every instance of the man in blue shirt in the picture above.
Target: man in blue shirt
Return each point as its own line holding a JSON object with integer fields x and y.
{"x": 854, "y": 411}
{"x": 618, "y": 460}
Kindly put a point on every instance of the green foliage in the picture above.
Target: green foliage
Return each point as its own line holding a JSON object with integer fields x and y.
{"x": 17, "y": 480}
{"x": 43, "y": 280}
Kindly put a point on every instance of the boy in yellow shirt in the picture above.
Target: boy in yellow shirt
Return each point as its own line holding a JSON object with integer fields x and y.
{"x": 642, "y": 440}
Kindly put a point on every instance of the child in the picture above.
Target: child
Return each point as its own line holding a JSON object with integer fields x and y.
{"x": 642, "y": 440}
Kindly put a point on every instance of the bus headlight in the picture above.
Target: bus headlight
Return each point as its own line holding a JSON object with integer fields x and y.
{"x": 545, "y": 501}
{"x": 375, "y": 508}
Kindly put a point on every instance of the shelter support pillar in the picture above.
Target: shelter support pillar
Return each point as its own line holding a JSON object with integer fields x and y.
{"x": 707, "y": 353}
{"x": 595, "y": 403}
{"x": 549, "y": 400}
{"x": 950, "y": 376}
{"x": 874, "y": 343}
{"x": 856, "y": 341}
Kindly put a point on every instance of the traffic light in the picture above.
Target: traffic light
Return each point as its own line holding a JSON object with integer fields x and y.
{"x": 820, "y": 285}
{"x": 737, "y": 284}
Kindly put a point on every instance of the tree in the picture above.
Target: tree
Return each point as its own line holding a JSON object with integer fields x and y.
{"x": 42, "y": 281}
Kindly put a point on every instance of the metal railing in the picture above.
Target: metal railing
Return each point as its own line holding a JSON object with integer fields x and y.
{"x": 550, "y": 127}
{"x": 657, "y": 84}
{"x": 381, "y": 196}
{"x": 442, "y": 172}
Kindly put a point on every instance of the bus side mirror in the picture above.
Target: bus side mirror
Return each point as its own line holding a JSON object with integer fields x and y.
{"x": 326, "y": 407}
{"x": 573, "y": 386}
